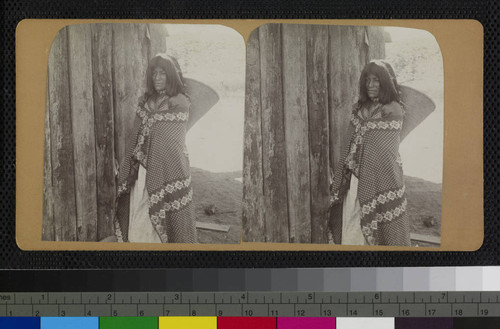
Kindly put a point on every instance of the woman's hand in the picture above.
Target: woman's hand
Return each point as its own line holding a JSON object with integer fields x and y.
{"x": 393, "y": 109}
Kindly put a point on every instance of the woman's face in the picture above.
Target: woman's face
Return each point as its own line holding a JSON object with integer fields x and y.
{"x": 159, "y": 79}
{"x": 372, "y": 86}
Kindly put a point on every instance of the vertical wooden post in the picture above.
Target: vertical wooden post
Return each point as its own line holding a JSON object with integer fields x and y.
{"x": 273, "y": 135}
{"x": 61, "y": 138}
{"x": 130, "y": 60}
{"x": 296, "y": 132}
{"x": 376, "y": 43}
{"x": 82, "y": 117}
{"x": 317, "y": 104}
{"x": 104, "y": 127}
{"x": 253, "y": 185}
{"x": 48, "y": 225}
{"x": 338, "y": 107}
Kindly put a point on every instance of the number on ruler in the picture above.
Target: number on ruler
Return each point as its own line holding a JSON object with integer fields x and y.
{"x": 379, "y": 312}
{"x": 459, "y": 312}
{"x": 431, "y": 312}
{"x": 248, "y": 313}
{"x": 141, "y": 313}
{"x": 483, "y": 312}
{"x": 327, "y": 312}
{"x": 301, "y": 312}
{"x": 274, "y": 312}
{"x": 405, "y": 312}
{"x": 353, "y": 312}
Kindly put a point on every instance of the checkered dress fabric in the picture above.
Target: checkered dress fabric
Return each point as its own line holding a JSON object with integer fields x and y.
{"x": 381, "y": 189}
{"x": 158, "y": 143}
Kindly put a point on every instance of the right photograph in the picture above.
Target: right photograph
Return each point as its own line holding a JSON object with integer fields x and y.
{"x": 343, "y": 136}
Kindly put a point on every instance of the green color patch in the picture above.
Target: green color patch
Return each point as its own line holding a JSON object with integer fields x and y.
{"x": 124, "y": 322}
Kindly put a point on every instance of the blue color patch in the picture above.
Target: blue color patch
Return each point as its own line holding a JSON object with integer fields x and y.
{"x": 19, "y": 323}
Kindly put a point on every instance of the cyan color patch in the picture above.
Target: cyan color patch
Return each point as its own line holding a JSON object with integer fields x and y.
{"x": 69, "y": 322}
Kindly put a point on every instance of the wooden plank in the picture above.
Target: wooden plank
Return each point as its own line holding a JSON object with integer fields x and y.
{"x": 350, "y": 43}
{"x": 317, "y": 105}
{"x": 253, "y": 185}
{"x": 376, "y": 42}
{"x": 338, "y": 107}
{"x": 82, "y": 115}
{"x": 61, "y": 139}
{"x": 48, "y": 226}
{"x": 157, "y": 34}
{"x": 362, "y": 42}
{"x": 212, "y": 227}
{"x": 130, "y": 60}
{"x": 296, "y": 132}
{"x": 425, "y": 238}
{"x": 104, "y": 127}
{"x": 273, "y": 135}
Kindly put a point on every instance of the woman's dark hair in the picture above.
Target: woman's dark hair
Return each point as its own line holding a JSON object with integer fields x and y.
{"x": 388, "y": 91}
{"x": 175, "y": 80}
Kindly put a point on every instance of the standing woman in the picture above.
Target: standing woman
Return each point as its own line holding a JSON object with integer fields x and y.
{"x": 368, "y": 199}
{"x": 154, "y": 202}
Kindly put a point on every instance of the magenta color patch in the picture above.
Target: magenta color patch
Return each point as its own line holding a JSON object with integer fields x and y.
{"x": 306, "y": 323}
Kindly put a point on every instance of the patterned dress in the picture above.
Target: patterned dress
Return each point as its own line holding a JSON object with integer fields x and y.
{"x": 372, "y": 157}
{"x": 158, "y": 146}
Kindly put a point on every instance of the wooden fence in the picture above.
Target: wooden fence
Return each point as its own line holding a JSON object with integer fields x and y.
{"x": 300, "y": 86}
{"x": 96, "y": 74}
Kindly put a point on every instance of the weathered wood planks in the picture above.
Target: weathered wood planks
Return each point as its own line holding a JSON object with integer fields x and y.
{"x": 61, "y": 139}
{"x": 317, "y": 104}
{"x": 296, "y": 132}
{"x": 273, "y": 135}
{"x": 253, "y": 184}
{"x": 82, "y": 118}
{"x": 104, "y": 127}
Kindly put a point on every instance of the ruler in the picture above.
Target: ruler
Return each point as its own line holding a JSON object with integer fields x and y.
{"x": 243, "y": 303}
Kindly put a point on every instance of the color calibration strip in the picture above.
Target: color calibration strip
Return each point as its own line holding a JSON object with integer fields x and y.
{"x": 289, "y": 279}
{"x": 247, "y": 323}
{"x": 251, "y": 304}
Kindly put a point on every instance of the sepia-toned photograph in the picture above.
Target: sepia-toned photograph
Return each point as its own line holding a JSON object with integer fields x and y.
{"x": 343, "y": 136}
{"x": 144, "y": 134}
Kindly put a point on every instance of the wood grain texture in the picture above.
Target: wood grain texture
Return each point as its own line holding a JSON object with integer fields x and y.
{"x": 48, "y": 224}
{"x": 104, "y": 127}
{"x": 336, "y": 103}
{"x": 253, "y": 185}
{"x": 61, "y": 139}
{"x": 296, "y": 132}
{"x": 130, "y": 60}
{"x": 82, "y": 117}
{"x": 157, "y": 34}
{"x": 273, "y": 135}
{"x": 376, "y": 43}
{"x": 317, "y": 104}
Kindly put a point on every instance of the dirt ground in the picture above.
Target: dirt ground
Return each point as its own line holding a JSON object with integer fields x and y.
{"x": 223, "y": 191}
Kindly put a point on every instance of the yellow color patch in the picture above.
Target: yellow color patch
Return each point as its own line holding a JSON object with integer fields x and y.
{"x": 188, "y": 322}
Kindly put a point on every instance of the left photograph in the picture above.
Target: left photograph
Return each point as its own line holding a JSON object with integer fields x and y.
{"x": 144, "y": 134}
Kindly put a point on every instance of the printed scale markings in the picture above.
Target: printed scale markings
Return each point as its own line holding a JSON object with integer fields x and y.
{"x": 277, "y": 304}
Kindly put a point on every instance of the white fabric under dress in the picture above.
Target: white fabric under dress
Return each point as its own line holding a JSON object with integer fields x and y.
{"x": 351, "y": 216}
{"x": 140, "y": 227}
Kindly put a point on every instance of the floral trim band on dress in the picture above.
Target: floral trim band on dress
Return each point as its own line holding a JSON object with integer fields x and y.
{"x": 363, "y": 128}
{"x": 173, "y": 206}
{"x": 382, "y": 199}
{"x": 384, "y": 217}
{"x": 170, "y": 188}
